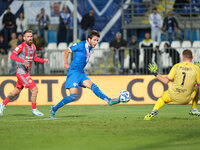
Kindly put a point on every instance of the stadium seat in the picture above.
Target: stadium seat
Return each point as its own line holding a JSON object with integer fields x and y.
{"x": 98, "y": 53}
{"x": 196, "y": 44}
{"x": 97, "y": 46}
{"x": 176, "y": 44}
{"x": 162, "y": 45}
{"x": 155, "y": 43}
{"x": 91, "y": 59}
{"x": 9, "y": 60}
{"x": 52, "y": 46}
{"x": 104, "y": 45}
{"x": 53, "y": 56}
{"x": 196, "y": 47}
{"x": 141, "y": 58}
{"x": 167, "y": 61}
{"x": 60, "y": 55}
{"x": 62, "y": 46}
{"x": 186, "y": 44}
{"x": 140, "y": 44}
{"x": 126, "y": 62}
{"x": 139, "y": 8}
{"x": 88, "y": 66}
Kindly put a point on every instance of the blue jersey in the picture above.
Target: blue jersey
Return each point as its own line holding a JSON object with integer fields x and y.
{"x": 82, "y": 51}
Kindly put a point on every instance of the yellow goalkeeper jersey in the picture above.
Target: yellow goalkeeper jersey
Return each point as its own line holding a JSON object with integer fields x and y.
{"x": 185, "y": 76}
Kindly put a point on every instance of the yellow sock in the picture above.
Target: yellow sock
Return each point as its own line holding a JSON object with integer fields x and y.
{"x": 159, "y": 104}
{"x": 195, "y": 99}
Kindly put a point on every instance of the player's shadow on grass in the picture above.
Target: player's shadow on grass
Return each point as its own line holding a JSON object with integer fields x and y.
{"x": 21, "y": 115}
{"x": 180, "y": 118}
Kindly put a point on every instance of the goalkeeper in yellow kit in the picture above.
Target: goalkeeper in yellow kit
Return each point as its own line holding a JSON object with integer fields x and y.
{"x": 185, "y": 78}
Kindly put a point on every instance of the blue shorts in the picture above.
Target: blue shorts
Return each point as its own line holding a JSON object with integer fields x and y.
{"x": 75, "y": 79}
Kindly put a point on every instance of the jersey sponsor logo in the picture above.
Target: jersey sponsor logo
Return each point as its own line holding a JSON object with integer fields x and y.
{"x": 28, "y": 78}
{"x": 75, "y": 84}
{"x": 30, "y": 81}
{"x": 29, "y": 58}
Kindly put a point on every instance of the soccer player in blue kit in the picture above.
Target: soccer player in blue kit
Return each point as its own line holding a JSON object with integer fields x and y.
{"x": 76, "y": 76}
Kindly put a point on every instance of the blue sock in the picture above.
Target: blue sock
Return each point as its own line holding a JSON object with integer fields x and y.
{"x": 99, "y": 93}
{"x": 65, "y": 101}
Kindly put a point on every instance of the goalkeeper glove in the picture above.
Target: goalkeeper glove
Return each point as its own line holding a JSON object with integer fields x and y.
{"x": 197, "y": 64}
{"x": 153, "y": 69}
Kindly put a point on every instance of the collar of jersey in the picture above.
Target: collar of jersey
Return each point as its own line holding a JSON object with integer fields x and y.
{"x": 88, "y": 43}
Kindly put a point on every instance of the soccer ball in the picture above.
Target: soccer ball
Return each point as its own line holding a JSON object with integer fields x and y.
{"x": 124, "y": 96}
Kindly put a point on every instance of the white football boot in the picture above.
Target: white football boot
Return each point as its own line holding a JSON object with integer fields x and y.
{"x": 2, "y": 107}
{"x": 37, "y": 113}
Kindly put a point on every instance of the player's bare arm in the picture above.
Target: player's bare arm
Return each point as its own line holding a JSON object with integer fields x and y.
{"x": 66, "y": 55}
{"x": 163, "y": 79}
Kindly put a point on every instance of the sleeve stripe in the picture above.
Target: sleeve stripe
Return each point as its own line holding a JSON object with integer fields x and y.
{"x": 15, "y": 52}
{"x": 69, "y": 49}
{"x": 169, "y": 78}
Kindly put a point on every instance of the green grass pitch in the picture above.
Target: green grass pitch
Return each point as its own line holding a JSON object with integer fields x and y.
{"x": 118, "y": 127}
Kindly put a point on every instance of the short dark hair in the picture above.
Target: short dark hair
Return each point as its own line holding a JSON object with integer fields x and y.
{"x": 93, "y": 33}
{"x": 167, "y": 44}
{"x": 187, "y": 54}
{"x": 27, "y": 31}
{"x": 154, "y": 8}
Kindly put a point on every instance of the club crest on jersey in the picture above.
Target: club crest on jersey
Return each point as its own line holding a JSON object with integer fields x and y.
{"x": 88, "y": 55}
{"x": 75, "y": 84}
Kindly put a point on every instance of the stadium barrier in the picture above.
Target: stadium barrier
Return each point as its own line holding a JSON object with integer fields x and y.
{"x": 145, "y": 89}
{"x": 103, "y": 62}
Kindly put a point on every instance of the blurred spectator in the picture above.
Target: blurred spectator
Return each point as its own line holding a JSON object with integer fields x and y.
{"x": 156, "y": 22}
{"x": 169, "y": 26}
{"x": 43, "y": 23}
{"x": 118, "y": 45}
{"x": 55, "y": 9}
{"x": 70, "y": 29}
{"x": 21, "y": 23}
{"x": 20, "y": 39}
{"x": 158, "y": 58}
{"x": 147, "y": 44}
{"x": 134, "y": 54}
{"x": 63, "y": 25}
{"x": 40, "y": 47}
{"x": 13, "y": 45}
{"x": 9, "y": 24}
{"x": 3, "y": 56}
{"x": 173, "y": 53}
{"x": 86, "y": 25}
